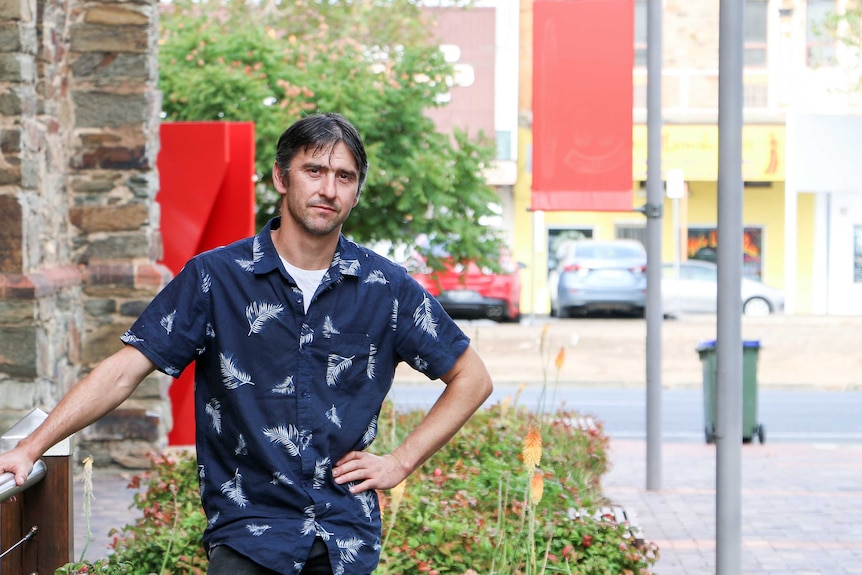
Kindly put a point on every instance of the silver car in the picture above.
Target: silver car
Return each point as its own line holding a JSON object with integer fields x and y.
{"x": 695, "y": 290}
{"x": 599, "y": 276}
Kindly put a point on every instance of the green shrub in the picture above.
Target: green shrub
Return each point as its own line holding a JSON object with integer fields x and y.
{"x": 468, "y": 510}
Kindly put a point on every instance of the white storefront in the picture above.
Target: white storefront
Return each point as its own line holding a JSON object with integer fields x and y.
{"x": 824, "y": 157}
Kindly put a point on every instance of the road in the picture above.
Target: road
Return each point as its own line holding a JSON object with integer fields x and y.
{"x": 787, "y": 415}
{"x": 809, "y": 373}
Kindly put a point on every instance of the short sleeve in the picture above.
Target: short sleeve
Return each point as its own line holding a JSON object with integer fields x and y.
{"x": 172, "y": 330}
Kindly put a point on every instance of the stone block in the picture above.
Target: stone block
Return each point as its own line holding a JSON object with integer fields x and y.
{"x": 22, "y": 10}
{"x": 17, "y": 67}
{"x": 10, "y": 175}
{"x": 125, "y": 423}
{"x": 102, "y": 341}
{"x": 100, "y": 307}
{"x": 16, "y": 312}
{"x": 18, "y": 357}
{"x": 10, "y": 143}
{"x": 10, "y": 36}
{"x": 120, "y": 246}
{"x": 117, "y": 15}
{"x": 132, "y": 308}
{"x": 110, "y": 66}
{"x": 107, "y": 110}
{"x": 11, "y": 235}
{"x": 104, "y": 38}
{"x": 90, "y": 219}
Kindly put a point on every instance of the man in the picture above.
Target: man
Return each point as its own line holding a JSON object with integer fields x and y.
{"x": 296, "y": 333}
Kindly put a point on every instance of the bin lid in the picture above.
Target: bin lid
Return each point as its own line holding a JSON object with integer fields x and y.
{"x": 710, "y": 344}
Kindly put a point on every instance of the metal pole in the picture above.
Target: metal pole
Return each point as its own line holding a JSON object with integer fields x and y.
{"x": 655, "y": 202}
{"x": 729, "y": 375}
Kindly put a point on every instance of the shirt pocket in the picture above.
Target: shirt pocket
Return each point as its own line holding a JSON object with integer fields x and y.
{"x": 349, "y": 361}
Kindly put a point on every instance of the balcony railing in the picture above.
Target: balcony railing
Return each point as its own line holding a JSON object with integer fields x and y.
{"x": 692, "y": 91}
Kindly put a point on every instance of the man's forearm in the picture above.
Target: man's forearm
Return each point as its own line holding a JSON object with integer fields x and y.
{"x": 469, "y": 385}
{"x": 106, "y": 387}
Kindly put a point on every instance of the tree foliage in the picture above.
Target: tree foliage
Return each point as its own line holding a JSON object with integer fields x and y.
{"x": 845, "y": 27}
{"x": 373, "y": 61}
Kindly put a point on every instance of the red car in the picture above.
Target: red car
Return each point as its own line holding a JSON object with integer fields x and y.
{"x": 471, "y": 292}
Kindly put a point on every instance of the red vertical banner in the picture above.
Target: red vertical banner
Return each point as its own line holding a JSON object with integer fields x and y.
{"x": 583, "y": 55}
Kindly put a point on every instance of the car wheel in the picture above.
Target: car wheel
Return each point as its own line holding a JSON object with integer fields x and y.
{"x": 756, "y": 307}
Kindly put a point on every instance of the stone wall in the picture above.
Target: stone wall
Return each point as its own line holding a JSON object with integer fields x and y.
{"x": 79, "y": 234}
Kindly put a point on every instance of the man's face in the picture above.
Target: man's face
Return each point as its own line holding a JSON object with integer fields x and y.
{"x": 320, "y": 189}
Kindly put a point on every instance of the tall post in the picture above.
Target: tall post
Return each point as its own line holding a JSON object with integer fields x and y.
{"x": 655, "y": 202}
{"x": 729, "y": 374}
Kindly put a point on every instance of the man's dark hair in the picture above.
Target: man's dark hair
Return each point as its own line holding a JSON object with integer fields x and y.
{"x": 317, "y": 133}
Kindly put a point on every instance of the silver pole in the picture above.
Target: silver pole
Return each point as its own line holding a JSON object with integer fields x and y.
{"x": 728, "y": 402}
{"x": 655, "y": 203}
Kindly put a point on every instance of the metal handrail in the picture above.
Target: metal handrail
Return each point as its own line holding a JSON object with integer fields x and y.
{"x": 8, "y": 488}
{"x": 40, "y": 514}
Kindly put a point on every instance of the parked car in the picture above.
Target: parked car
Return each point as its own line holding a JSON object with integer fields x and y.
{"x": 471, "y": 292}
{"x": 696, "y": 291}
{"x": 598, "y": 275}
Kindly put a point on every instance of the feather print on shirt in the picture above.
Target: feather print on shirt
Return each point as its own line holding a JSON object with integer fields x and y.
{"x": 372, "y": 361}
{"x": 311, "y": 527}
{"x": 210, "y": 331}
{"x": 286, "y": 387}
{"x": 370, "y": 432}
{"x": 241, "y": 447}
{"x": 287, "y": 437}
{"x": 335, "y": 366}
{"x": 256, "y": 255}
{"x": 233, "y": 377}
{"x": 257, "y": 530}
{"x": 129, "y": 337}
{"x": 349, "y": 548}
{"x": 420, "y": 364}
{"x": 376, "y": 277}
{"x": 367, "y": 500}
{"x": 321, "y": 471}
{"x": 232, "y": 488}
{"x": 206, "y": 282}
{"x": 168, "y": 321}
{"x": 212, "y": 520}
{"x": 424, "y": 319}
{"x": 332, "y": 415}
{"x": 306, "y": 336}
{"x": 329, "y": 328}
{"x": 258, "y": 313}
{"x": 279, "y": 478}
{"x": 393, "y": 318}
{"x": 348, "y": 267}
{"x": 213, "y": 409}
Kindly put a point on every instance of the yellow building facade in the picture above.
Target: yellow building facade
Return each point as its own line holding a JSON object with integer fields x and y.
{"x": 693, "y": 149}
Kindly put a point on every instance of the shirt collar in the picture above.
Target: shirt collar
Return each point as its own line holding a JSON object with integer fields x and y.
{"x": 345, "y": 262}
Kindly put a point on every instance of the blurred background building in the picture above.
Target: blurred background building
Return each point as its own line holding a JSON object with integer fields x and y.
{"x": 802, "y": 222}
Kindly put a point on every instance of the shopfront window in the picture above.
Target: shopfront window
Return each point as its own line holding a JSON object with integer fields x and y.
{"x": 703, "y": 245}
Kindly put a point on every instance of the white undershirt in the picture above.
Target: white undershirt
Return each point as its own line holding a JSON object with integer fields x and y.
{"x": 307, "y": 280}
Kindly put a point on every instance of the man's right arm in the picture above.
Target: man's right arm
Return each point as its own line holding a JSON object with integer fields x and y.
{"x": 106, "y": 387}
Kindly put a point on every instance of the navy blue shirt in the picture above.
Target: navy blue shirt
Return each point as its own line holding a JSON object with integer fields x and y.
{"x": 281, "y": 395}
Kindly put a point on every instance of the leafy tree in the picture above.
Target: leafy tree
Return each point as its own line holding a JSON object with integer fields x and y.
{"x": 372, "y": 61}
{"x": 845, "y": 27}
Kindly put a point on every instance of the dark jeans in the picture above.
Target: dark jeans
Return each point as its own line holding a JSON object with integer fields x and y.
{"x": 226, "y": 561}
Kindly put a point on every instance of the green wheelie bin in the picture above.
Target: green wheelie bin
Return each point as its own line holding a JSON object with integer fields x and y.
{"x": 750, "y": 426}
